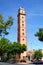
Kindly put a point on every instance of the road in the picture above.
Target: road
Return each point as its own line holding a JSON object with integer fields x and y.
{"x": 1, "y": 63}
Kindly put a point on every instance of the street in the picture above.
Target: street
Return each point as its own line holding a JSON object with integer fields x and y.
{"x": 2, "y": 63}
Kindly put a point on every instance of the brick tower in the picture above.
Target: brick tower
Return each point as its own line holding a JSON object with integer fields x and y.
{"x": 22, "y": 28}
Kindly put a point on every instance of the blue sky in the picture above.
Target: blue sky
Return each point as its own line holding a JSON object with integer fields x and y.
{"x": 34, "y": 19}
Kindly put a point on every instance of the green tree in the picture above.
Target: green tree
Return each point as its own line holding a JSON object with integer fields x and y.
{"x": 5, "y": 25}
{"x": 38, "y": 54}
{"x": 9, "y": 50}
{"x": 5, "y": 47}
{"x": 18, "y": 48}
{"x": 39, "y": 34}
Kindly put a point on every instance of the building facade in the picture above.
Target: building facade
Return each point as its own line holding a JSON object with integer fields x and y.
{"x": 22, "y": 38}
{"x": 31, "y": 54}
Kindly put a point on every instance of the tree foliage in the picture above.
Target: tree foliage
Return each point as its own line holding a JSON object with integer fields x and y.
{"x": 39, "y": 34}
{"x": 5, "y": 25}
{"x": 18, "y": 48}
{"x": 38, "y": 54}
{"x": 7, "y": 47}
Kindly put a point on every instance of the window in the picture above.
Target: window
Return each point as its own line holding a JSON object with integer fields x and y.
{"x": 22, "y": 17}
{"x": 23, "y": 33}
{"x": 22, "y": 11}
{"x": 23, "y": 39}
{"x": 22, "y": 21}
{"x": 22, "y": 24}
{"x": 22, "y": 29}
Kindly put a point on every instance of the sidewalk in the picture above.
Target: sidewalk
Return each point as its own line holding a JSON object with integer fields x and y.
{"x": 22, "y": 63}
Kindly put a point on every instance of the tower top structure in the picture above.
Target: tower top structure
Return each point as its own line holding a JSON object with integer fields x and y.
{"x": 21, "y": 8}
{"x": 21, "y": 11}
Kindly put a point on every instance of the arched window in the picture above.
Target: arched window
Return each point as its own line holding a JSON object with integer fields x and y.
{"x": 22, "y": 29}
{"x": 22, "y": 33}
{"x": 22, "y": 21}
{"x": 22, "y": 24}
{"x": 23, "y": 39}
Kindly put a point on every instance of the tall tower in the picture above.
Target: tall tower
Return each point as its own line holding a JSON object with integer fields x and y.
{"x": 22, "y": 27}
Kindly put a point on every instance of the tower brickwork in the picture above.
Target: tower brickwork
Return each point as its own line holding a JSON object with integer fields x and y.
{"x": 22, "y": 38}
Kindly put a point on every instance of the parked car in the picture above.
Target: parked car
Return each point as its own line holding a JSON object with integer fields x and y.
{"x": 1, "y": 60}
{"x": 11, "y": 61}
{"x": 37, "y": 62}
